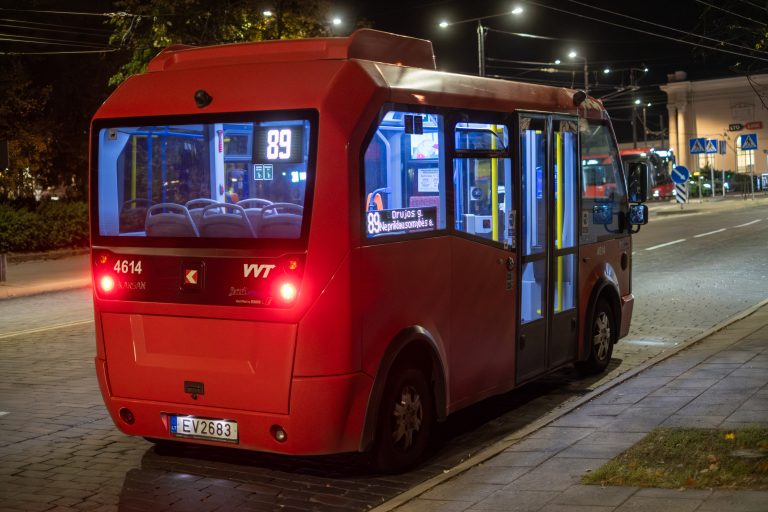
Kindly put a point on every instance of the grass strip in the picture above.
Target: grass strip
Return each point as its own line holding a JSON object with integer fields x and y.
{"x": 690, "y": 458}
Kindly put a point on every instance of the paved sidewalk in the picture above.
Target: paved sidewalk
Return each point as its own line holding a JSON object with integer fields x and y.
{"x": 722, "y": 381}
{"x": 42, "y": 276}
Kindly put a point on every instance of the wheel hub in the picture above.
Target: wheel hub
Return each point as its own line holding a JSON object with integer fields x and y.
{"x": 408, "y": 415}
{"x": 602, "y": 336}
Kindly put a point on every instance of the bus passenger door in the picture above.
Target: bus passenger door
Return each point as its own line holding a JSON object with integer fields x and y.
{"x": 548, "y": 330}
{"x": 483, "y": 263}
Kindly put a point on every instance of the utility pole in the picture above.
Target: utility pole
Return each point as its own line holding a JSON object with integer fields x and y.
{"x": 480, "y": 48}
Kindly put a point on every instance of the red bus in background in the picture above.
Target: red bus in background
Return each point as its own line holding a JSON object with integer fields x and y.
{"x": 659, "y": 164}
{"x": 310, "y": 266}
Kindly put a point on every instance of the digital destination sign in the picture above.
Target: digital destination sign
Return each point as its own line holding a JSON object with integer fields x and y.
{"x": 277, "y": 143}
{"x": 402, "y": 220}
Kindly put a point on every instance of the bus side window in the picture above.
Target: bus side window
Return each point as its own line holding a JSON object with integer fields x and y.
{"x": 403, "y": 166}
{"x": 482, "y": 178}
{"x": 603, "y": 193}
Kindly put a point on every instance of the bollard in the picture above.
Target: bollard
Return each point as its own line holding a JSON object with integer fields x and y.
{"x": 3, "y": 266}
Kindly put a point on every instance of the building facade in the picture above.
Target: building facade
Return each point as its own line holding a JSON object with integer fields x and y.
{"x": 723, "y": 109}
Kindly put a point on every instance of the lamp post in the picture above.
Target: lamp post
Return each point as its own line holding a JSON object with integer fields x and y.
{"x": 574, "y": 55}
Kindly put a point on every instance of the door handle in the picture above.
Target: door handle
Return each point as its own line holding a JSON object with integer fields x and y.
{"x": 510, "y": 263}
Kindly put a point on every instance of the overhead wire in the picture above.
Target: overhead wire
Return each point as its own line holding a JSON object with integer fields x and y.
{"x": 646, "y": 32}
{"x": 659, "y": 25}
{"x": 730, "y": 12}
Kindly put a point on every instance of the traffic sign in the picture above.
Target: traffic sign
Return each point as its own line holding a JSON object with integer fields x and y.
{"x": 681, "y": 193}
{"x": 680, "y": 174}
{"x": 722, "y": 146}
{"x": 748, "y": 141}
{"x": 735, "y": 127}
{"x": 696, "y": 146}
{"x": 711, "y": 147}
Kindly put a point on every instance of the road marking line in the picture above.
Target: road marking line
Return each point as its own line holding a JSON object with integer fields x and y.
{"x": 43, "y": 329}
{"x": 664, "y": 245}
{"x": 748, "y": 223}
{"x": 3, "y": 413}
{"x": 710, "y": 233}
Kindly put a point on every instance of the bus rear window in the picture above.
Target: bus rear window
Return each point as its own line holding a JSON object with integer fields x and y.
{"x": 208, "y": 180}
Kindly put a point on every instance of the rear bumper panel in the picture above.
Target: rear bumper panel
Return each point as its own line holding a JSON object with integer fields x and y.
{"x": 326, "y": 416}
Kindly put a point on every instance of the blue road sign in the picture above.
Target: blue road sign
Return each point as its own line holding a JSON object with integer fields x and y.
{"x": 711, "y": 147}
{"x": 680, "y": 174}
{"x": 748, "y": 141}
{"x": 722, "y": 146}
{"x": 696, "y": 146}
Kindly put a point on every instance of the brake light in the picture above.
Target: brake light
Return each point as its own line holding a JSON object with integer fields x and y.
{"x": 288, "y": 292}
{"x": 107, "y": 284}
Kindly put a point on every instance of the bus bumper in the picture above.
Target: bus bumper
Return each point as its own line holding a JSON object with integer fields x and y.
{"x": 627, "y": 304}
{"x": 326, "y": 416}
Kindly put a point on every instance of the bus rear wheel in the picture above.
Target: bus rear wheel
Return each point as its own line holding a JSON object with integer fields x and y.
{"x": 405, "y": 423}
{"x": 602, "y": 337}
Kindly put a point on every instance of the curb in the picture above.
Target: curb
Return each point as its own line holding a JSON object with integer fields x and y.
{"x": 518, "y": 435}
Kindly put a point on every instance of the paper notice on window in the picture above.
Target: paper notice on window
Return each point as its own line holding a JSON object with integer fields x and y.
{"x": 429, "y": 180}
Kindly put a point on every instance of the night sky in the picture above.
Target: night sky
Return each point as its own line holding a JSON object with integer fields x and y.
{"x": 625, "y": 52}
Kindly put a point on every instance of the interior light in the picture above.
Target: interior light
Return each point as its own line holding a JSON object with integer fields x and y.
{"x": 288, "y": 292}
{"x": 107, "y": 284}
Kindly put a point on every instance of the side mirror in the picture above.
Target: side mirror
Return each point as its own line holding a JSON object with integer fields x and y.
{"x": 638, "y": 215}
{"x": 637, "y": 181}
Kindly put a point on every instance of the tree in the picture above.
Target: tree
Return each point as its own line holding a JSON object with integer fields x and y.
{"x": 26, "y": 127}
{"x": 144, "y": 27}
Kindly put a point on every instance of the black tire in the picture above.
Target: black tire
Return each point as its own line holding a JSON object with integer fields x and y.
{"x": 405, "y": 422}
{"x": 601, "y": 337}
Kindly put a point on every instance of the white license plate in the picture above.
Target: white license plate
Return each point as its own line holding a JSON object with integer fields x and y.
{"x": 204, "y": 428}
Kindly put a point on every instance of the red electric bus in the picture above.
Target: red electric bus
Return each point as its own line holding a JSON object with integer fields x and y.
{"x": 659, "y": 164}
{"x": 326, "y": 245}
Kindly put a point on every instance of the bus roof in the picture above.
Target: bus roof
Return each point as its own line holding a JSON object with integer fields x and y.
{"x": 363, "y": 44}
{"x": 272, "y": 75}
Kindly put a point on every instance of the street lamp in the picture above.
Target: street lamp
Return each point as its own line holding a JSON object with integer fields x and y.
{"x": 481, "y": 33}
{"x": 573, "y": 55}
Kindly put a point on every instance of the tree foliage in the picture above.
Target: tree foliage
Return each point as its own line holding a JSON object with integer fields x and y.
{"x": 27, "y": 128}
{"x": 144, "y": 27}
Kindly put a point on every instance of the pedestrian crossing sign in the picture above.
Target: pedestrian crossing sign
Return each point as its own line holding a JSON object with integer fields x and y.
{"x": 749, "y": 142}
{"x": 711, "y": 147}
{"x": 696, "y": 146}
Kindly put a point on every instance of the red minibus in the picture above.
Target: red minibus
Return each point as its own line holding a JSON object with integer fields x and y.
{"x": 326, "y": 245}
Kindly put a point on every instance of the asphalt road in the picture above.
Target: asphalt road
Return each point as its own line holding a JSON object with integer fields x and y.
{"x": 58, "y": 448}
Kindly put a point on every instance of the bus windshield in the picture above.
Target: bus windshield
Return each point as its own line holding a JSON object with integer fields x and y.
{"x": 244, "y": 180}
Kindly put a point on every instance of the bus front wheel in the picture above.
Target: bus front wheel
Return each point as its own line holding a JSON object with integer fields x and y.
{"x": 601, "y": 338}
{"x": 405, "y": 422}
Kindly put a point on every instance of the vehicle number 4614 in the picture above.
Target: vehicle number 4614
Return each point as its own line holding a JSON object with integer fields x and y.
{"x": 127, "y": 267}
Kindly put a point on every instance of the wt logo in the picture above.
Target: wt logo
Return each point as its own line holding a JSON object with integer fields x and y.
{"x": 257, "y": 270}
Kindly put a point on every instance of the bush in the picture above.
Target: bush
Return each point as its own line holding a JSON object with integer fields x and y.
{"x": 51, "y": 225}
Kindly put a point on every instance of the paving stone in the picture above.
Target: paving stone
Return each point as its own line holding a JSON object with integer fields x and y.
{"x": 735, "y": 501}
{"x": 594, "y": 495}
{"x": 494, "y": 474}
{"x": 421, "y": 505}
{"x": 512, "y": 458}
{"x": 461, "y": 489}
{"x": 519, "y": 501}
{"x": 556, "y": 474}
{"x": 645, "y": 504}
